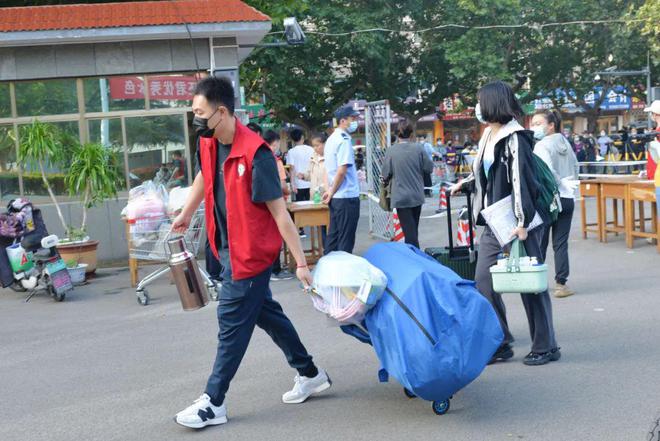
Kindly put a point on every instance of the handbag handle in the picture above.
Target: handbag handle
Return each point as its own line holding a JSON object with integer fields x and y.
{"x": 517, "y": 250}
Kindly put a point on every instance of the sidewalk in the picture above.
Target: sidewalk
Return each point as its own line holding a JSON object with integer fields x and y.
{"x": 101, "y": 367}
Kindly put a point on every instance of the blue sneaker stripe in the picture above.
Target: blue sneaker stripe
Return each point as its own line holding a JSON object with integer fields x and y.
{"x": 206, "y": 414}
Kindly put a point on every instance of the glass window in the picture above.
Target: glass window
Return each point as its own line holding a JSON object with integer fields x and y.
{"x": 157, "y": 150}
{"x": 9, "y": 188}
{"x": 108, "y": 133}
{"x": 68, "y": 137}
{"x": 105, "y": 131}
{"x": 52, "y": 97}
{"x": 5, "y": 101}
{"x": 171, "y": 91}
{"x": 114, "y": 93}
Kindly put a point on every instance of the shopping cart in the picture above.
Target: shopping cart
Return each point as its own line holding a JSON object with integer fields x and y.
{"x": 148, "y": 241}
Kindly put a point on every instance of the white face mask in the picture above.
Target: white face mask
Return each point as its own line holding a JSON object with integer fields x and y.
{"x": 539, "y": 133}
{"x": 477, "y": 113}
{"x": 353, "y": 126}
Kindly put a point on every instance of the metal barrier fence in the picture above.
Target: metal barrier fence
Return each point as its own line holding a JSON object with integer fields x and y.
{"x": 597, "y": 169}
{"x": 378, "y": 139}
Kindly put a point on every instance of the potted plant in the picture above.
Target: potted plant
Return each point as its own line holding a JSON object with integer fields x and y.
{"x": 40, "y": 147}
{"x": 94, "y": 175}
{"x": 76, "y": 271}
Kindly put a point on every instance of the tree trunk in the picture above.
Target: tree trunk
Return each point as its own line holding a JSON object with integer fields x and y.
{"x": 84, "y": 219}
{"x": 414, "y": 122}
{"x": 52, "y": 197}
{"x": 592, "y": 121}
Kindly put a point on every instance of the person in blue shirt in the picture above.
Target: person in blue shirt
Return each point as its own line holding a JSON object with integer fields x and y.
{"x": 343, "y": 195}
{"x": 440, "y": 147}
{"x": 428, "y": 178}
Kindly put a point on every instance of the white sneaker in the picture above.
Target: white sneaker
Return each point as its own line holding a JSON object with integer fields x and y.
{"x": 202, "y": 413}
{"x": 304, "y": 387}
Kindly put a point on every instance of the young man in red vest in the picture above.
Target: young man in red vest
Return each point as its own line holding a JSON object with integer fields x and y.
{"x": 246, "y": 219}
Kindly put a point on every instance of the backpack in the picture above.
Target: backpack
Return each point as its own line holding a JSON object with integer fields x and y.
{"x": 548, "y": 198}
{"x": 548, "y": 201}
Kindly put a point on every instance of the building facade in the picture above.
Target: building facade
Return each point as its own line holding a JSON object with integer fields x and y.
{"x": 121, "y": 74}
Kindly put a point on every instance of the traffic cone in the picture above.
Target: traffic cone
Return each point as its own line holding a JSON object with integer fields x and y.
{"x": 442, "y": 201}
{"x": 463, "y": 229}
{"x": 398, "y": 232}
{"x": 462, "y": 239}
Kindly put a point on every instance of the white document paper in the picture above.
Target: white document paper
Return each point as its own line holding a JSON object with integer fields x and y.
{"x": 304, "y": 203}
{"x": 502, "y": 221}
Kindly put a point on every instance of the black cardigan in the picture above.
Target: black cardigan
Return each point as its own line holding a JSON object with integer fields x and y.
{"x": 502, "y": 174}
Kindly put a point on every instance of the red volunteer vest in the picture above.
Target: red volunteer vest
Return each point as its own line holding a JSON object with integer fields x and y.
{"x": 254, "y": 239}
{"x": 650, "y": 168}
{"x": 650, "y": 164}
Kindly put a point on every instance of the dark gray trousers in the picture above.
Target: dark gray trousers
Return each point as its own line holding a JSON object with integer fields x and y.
{"x": 561, "y": 230}
{"x": 409, "y": 219}
{"x": 537, "y": 306}
{"x": 344, "y": 217}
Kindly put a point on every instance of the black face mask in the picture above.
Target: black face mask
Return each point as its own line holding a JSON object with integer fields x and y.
{"x": 201, "y": 126}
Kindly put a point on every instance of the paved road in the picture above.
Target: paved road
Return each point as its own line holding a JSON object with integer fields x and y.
{"x": 101, "y": 367}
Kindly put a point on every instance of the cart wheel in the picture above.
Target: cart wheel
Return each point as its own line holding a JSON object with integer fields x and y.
{"x": 409, "y": 394}
{"x": 441, "y": 407}
{"x": 60, "y": 297}
{"x": 142, "y": 297}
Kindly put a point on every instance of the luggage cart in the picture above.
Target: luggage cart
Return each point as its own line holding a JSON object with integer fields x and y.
{"x": 360, "y": 332}
{"x": 148, "y": 241}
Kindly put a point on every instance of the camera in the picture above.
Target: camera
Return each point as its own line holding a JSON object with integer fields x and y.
{"x": 293, "y": 32}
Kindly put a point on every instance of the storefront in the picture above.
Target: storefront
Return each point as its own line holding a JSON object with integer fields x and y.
{"x": 617, "y": 110}
{"x": 126, "y": 83}
{"x": 458, "y": 123}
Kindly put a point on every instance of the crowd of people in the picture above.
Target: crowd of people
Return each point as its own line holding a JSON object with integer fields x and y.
{"x": 242, "y": 177}
{"x": 326, "y": 171}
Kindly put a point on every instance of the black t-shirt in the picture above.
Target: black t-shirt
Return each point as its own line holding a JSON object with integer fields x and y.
{"x": 265, "y": 187}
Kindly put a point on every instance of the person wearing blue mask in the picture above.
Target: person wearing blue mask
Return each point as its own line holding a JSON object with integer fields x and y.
{"x": 343, "y": 194}
{"x": 554, "y": 149}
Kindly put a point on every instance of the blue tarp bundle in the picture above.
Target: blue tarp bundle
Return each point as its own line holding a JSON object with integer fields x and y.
{"x": 448, "y": 334}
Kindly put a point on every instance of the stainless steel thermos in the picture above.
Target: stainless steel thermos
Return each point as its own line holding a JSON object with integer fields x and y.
{"x": 188, "y": 280}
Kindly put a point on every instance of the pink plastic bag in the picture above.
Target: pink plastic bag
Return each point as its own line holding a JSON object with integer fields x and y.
{"x": 147, "y": 208}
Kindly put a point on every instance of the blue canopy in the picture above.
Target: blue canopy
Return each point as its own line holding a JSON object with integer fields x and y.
{"x": 432, "y": 331}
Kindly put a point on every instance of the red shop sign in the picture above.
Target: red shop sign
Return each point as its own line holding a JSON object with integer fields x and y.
{"x": 160, "y": 88}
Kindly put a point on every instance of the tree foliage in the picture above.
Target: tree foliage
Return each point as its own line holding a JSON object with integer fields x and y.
{"x": 415, "y": 71}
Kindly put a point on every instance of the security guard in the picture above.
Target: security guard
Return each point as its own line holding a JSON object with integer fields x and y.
{"x": 343, "y": 196}
{"x": 246, "y": 219}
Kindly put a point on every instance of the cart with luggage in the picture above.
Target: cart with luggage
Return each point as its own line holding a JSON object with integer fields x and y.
{"x": 148, "y": 242}
{"x": 431, "y": 330}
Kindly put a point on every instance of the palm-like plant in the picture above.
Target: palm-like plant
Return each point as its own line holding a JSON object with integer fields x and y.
{"x": 94, "y": 175}
{"x": 40, "y": 147}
